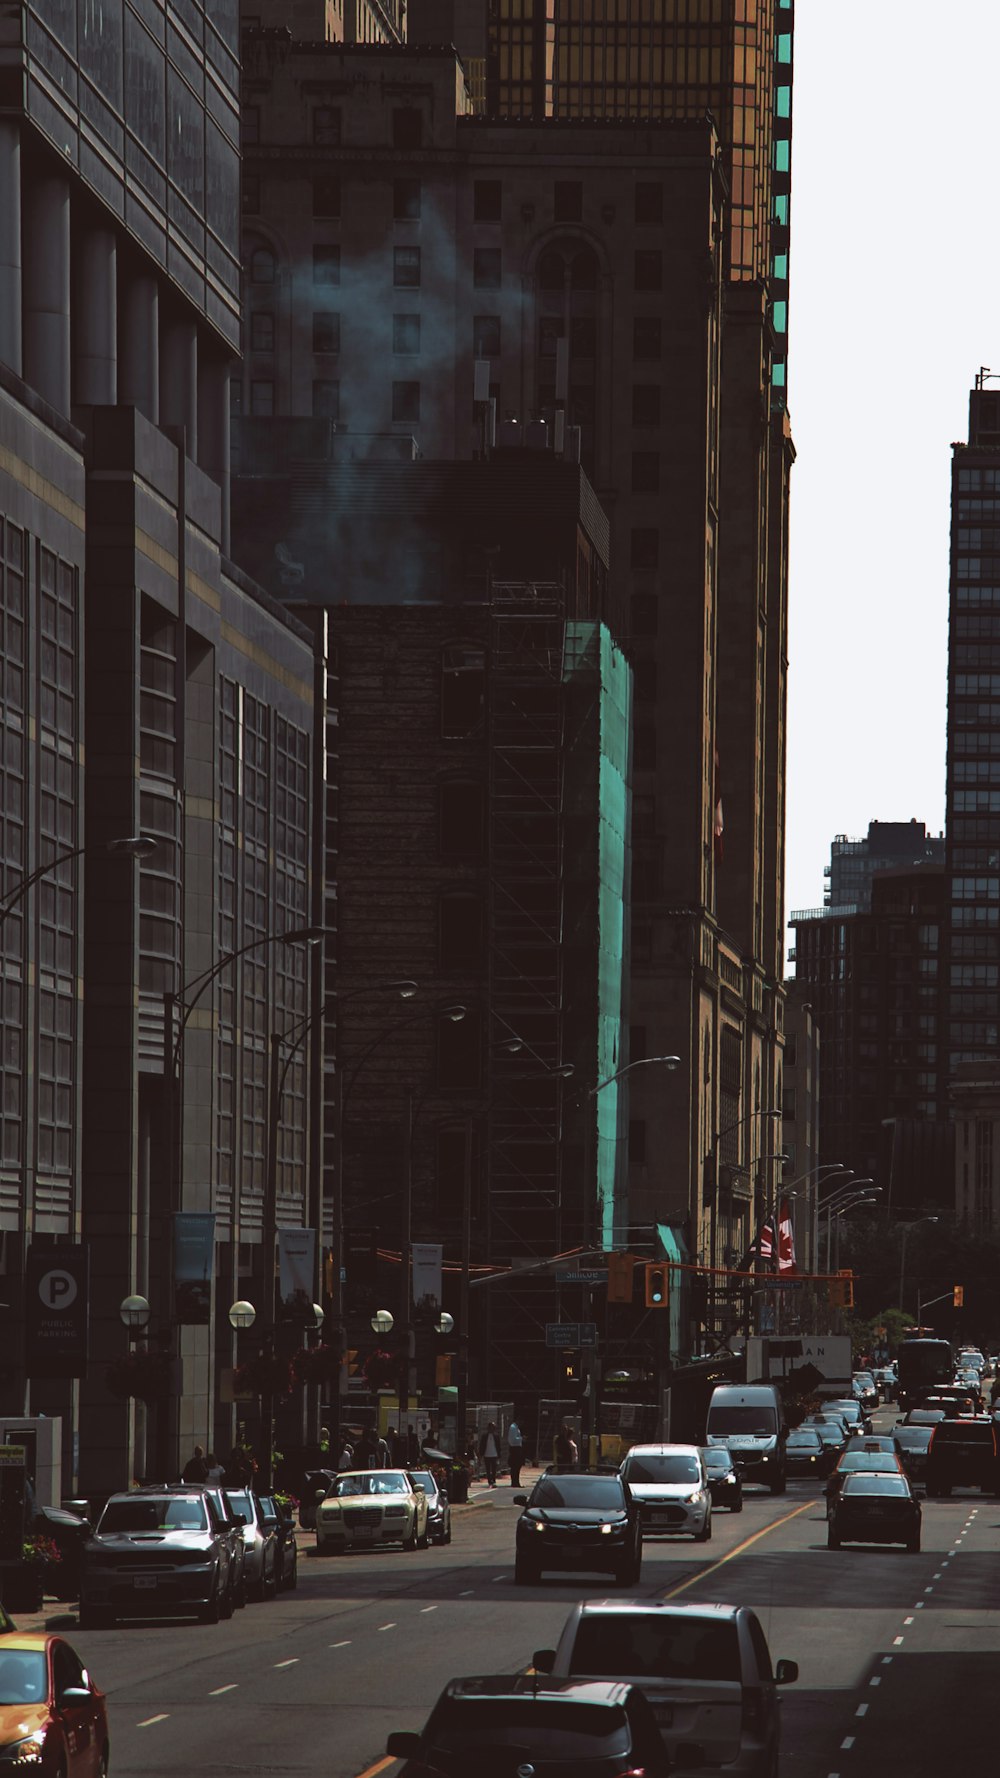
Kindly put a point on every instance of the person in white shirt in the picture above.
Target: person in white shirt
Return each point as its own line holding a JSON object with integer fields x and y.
{"x": 515, "y": 1452}
{"x": 489, "y": 1451}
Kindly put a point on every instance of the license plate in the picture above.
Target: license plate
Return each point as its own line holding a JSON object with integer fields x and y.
{"x": 660, "y": 1518}
{"x": 144, "y": 1580}
{"x": 363, "y": 1532}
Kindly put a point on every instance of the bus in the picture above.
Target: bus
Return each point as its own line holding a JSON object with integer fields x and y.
{"x": 922, "y": 1363}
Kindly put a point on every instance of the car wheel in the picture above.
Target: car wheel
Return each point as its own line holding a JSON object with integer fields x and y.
{"x": 102, "y": 1764}
{"x": 704, "y": 1535}
{"x": 914, "y": 1546}
{"x": 832, "y": 1540}
{"x": 211, "y": 1613}
{"x": 525, "y": 1573}
{"x": 447, "y": 1535}
{"x": 293, "y": 1579}
{"x": 269, "y": 1588}
{"x": 423, "y": 1542}
{"x": 410, "y": 1543}
{"x": 227, "y": 1604}
{"x": 737, "y": 1505}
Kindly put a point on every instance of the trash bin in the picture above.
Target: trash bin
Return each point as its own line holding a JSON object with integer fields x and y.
{"x": 458, "y": 1484}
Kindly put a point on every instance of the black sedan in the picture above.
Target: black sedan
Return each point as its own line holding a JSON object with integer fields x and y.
{"x": 725, "y": 1483}
{"x": 581, "y": 1521}
{"x": 806, "y": 1454}
{"x": 875, "y": 1509}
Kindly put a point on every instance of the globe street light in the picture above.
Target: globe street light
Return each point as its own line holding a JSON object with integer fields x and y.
{"x": 134, "y": 1313}
{"x": 444, "y": 1322}
{"x": 242, "y": 1316}
{"x": 382, "y": 1322}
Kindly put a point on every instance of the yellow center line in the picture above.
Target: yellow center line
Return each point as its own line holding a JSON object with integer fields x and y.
{"x": 807, "y": 1506}
{"x": 379, "y": 1766}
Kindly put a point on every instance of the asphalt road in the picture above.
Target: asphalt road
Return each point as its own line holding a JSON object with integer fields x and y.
{"x": 898, "y": 1653}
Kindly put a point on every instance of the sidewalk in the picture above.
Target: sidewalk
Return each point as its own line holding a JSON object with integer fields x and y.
{"x": 480, "y": 1489}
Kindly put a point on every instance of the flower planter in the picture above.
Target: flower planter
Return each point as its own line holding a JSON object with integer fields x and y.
{"x": 22, "y": 1586}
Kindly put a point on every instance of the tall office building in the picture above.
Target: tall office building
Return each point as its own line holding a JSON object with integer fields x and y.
{"x": 888, "y": 845}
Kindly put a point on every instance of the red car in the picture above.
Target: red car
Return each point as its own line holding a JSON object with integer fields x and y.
{"x": 53, "y": 1718}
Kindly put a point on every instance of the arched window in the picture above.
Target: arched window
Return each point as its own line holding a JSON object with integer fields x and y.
{"x": 263, "y": 266}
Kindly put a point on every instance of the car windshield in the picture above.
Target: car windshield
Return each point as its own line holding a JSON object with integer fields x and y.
{"x": 163, "y": 1513}
{"x": 853, "y": 1461}
{"x": 667, "y": 1468}
{"x": 717, "y": 1457}
{"x": 913, "y": 1438}
{"x": 368, "y": 1481}
{"x": 638, "y": 1645}
{"x": 538, "y": 1725}
{"x": 602, "y": 1493}
{"x": 22, "y": 1676}
{"x": 742, "y": 1419}
{"x": 876, "y": 1484}
{"x": 805, "y": 1440}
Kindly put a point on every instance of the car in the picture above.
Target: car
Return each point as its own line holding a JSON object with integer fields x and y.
{"x": 750, "y": 1419}
{"x": 832, "y": 1431}
{"x": 585, "y": 1521}
{"x": 805, "y": 1453}
{"x": 853, "y": 1413}
{"x": 53, "y": 1718}
{"x": 596, "y": 1728}
{"x": 866, "y": 1388}
{"x": 438, "y": 1505}
{"x": 367, "y": 1508}
{"x": 154, "y": 1552}
{"x": 724, "y": 1479}
{"x": 281, "y": 1519}
{"x": 951, "y": 1401}
{"x": 671, "y": 1486}
{"x": 885, "y": 1379}
{"x": 922, "y": 1417}
{"x": 860, "y": 1463}
{"x": 260, "y": 1544}
{"x": 912, "y": 1443}
{"x": 870, "y": 1441}
{"x": 963, "y": 1453}
{"x": 971, "y": 1357}
{"x": 706, "y": 1670}
{"x": 875, "y": 1508}
{"x": 234, "y": 1531}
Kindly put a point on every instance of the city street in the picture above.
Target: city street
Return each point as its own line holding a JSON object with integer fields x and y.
{"x": 897, "y": 1652}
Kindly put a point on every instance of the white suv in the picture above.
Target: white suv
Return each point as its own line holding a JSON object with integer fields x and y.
{"x": 671, "y": 1486}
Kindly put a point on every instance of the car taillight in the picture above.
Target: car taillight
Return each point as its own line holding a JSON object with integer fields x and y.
{"x": 753, "y": 1708}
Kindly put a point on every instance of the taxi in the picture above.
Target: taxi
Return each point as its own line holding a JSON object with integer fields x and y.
{"x": 53, "y": 1718}
{"x": 365, "y": 1508}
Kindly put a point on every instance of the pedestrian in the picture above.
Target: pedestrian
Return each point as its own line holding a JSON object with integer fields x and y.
{"x": 195, "y": 1469}
{"x": 565, "y": 1449}
{"x": 239, "y": 1469}
{"x": 384, "y": 1454}
{"x": 216, "y": 1470}
{"x": 489, "y": 1451}
{"x": 346, "y": 1458}
{"x": 367, "y": 1454}
{"x": 412, "y": 1445}
{"x": 515, "y": 1452}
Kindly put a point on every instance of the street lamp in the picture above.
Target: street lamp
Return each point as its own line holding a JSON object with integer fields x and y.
{"x": 906, "y": 1229}
{"x": 134, "y": 845}
{"x": 444, "y": 1322}
{"x": 382, "y": 1322}
{"x": 670, "y": 1062}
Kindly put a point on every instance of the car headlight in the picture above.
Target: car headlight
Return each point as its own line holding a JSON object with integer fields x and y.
{"x": 606, "y": 1530}
{"x": 539, "y": 1524}
{"x": 24, "y": 1753}
{"x": 396, "y": 1512}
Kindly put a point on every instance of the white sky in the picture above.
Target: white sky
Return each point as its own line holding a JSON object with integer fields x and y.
{"x": 894, "y": 304}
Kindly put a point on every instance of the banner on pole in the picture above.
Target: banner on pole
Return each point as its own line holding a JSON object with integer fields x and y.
{"x": 194, "y": 1254}
{"x": 426, "y": 1274}
{"x": 297, "y": 1270}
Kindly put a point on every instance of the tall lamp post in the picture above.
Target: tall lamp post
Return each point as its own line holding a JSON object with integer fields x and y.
{"x": 134, "y": 846}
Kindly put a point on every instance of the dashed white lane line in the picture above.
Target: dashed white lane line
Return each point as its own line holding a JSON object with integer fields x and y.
{"x": 387, "y": 1626}
{"x": 875, "y": 1680}
{"x": 149, "y": 1721}
{"x": 928, "y": 1589}
{"x": 907, "y": 1620}
{"x": 887, "y": 1659}
{"x": 862, "y": 1710}
{"x": 938, "y": 1575}
{"x": 346, "y": 1644}
{"x": 291, "y": 1663}
{"x": 425, "y": 1608}
{"x": 467, "y": 1594}
{"x": 897, "y": 1641}
{"x": 498, "y": 1577}
{"x": 847, "y": 1742}
{"x": 223, "y": 1688}
{"x": 919, "y": 1605}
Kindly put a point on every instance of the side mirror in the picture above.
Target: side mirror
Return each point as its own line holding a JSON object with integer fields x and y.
{"x": 520, "y": 1499}
{"x": 320, "y": 1493}
{"x": 74, "y": 1697}
{"x": 786, "y": 1672}
{"x": 241, "y": 1519}
{"x": 543, "y": 1660}
{"x": 403, "y": 1744}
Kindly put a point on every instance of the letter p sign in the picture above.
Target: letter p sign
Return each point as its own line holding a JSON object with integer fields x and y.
{"x": 57, "y": 1290}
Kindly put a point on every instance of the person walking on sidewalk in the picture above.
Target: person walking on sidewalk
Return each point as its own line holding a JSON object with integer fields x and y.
{"x": 515, "y": 1452}
{"x": 489, "y": 1451}
{"x": 565, "y": 1449}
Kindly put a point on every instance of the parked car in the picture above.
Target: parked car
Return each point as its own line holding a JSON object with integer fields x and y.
{"x": 438, "y": 1505}
{"x": 584, "y": 1521}
{"x": 53, "y": 1718}
{"x": 724, "y": 1479}
{"x": 963, "y": 1454}
{"x": 591, "y": 1729}
{"x": 234, "y": 1532}
{"x": 706, "y": 1670}
{"x": 281, "y": 1519}
{"x": 806, "y": 1454}
{"x": 671, "y": 1487}
{"x": 260, "y": 1544}
{"x": 875, "y": 1509}
{"x": 366, "y": 1508}
{"x": 912, "y": 1444}
{"x": 156, "y": 1551}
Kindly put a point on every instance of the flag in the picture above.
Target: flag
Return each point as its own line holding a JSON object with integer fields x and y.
{"x": 786, "y": 1239}
{"x": 765, "y": 1242}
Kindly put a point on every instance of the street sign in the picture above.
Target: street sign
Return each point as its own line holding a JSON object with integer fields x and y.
{"x": 582, "y": 1277}
{"x": 570, "y": 1336}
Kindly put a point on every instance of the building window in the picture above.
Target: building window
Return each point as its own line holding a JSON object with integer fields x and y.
{"x": 406, "y": 200}
{"x": 406, "y": 401}
{"x": 486, "y": 268}
{"x": 648, "y": 204}
{"x": 486, "y": 200}
{"x": 583, "y": 336}
{"x": 326, "y": 265}
{"x": 463, "y": 690}
{"x": 461, "y": 820}
{"x": 327, "y": 125}
{"x": 406, "y": 268}
{"x": 158, "y": 692}
{"x": 647, "y": 337}
{"x": 326, "y": 195}
{"x": 645, "y": 472}
{"x": 251, "y": 194}
{"x": 648, "y": 269}
{"x": 550, "y": 331}
{"x": 644, "y": 548}
{"x": 485, "y": 336}
{"x": 326, "y": 398}
{"x": 262, "y": 266}
{"x": 326, "y": 330}
{"x": 645, "y": 404}
{"x": 262, "y": 397}
{"x": 407, "y": 127}
{"x": 405, "y": 334}
{"x": 262, "y": 331}
{"x": 643, "y": 614}
{"x": 568, "y": 200}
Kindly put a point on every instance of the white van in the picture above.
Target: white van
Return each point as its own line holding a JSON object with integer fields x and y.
{"x": 748, "y": 1418}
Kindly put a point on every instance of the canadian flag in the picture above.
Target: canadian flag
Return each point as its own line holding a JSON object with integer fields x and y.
{"x": 765, "y": 1241}
{"x": 786, "y": 1239}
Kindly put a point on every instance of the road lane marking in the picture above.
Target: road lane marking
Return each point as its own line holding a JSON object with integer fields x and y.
{"x": 938, "y": 1575}
{"x": 847, "y": 1742}
{"x": 898, "y": 1641}
{"x": 928, "y": 1589}
{"x": 907, "y": 1620}
{"x": 386, "y": 1627}
{"x": 425, "y": 1608}
{"x": 292, "y": 1663}
{"x": 887, "y": 1659}
{"x": 223, "y": 1688}
{"x": 713, "y": 1567}
{"x": 151, "y": 1719}
{"x": 467, "y": 1594}
{"x": 875, "y": 1680}
{"x": 862, "y": 1710}
{"x": 919, "y": 1605}
{"x": 346, "y": 1644}
{"x": 498, "y": 1577}
{"x": 379, "y": 1766}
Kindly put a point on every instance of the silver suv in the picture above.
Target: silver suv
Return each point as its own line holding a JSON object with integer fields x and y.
{"x": 156, "y": 1551}
{"x": 706, "y": 1670}
{"x": 671, "y": 1486}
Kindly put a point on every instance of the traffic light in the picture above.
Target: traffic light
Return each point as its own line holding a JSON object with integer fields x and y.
{"x": 620, "y": 1269}
{"x": 840, "y": 1291}
{"x": 957, "y": 1295}
{"x": 657, "y": 1285}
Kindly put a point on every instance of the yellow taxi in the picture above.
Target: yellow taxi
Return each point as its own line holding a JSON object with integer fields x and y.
{"x": 53, "y": 1718}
